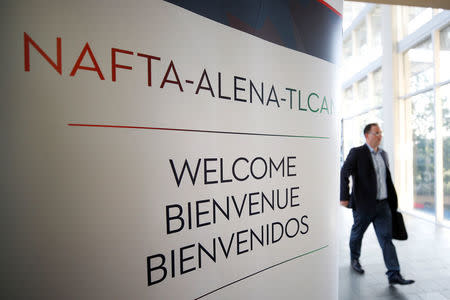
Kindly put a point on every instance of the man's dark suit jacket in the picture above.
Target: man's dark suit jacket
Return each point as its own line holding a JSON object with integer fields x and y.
{"x": 359, "y": 165}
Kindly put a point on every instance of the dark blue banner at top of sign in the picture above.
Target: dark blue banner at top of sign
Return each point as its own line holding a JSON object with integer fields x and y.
{"x": 308, "y": 26}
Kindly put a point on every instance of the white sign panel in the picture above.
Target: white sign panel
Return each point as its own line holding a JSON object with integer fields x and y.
{"x": 152, "y": 152}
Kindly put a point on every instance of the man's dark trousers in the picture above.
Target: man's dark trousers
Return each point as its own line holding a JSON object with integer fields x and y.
{"x": 382, "y": 222}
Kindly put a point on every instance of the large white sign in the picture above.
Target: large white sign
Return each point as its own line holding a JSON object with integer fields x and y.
{"x": 151, "y": 153}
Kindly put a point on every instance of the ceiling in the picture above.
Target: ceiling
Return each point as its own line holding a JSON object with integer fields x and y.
{"x": 445, "y": 4}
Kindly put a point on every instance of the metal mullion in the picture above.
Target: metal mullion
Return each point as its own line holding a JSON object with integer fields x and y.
{"x": 438, "y": 143}
{"x": 424, "y": 90}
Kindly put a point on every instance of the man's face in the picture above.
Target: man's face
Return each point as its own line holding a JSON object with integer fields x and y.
{"x": 373, "y": 138}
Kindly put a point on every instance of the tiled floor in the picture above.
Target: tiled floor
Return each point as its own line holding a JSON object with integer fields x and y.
{"x": 424, "y": 257}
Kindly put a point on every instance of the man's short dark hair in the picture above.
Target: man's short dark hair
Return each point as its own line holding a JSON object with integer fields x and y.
{"x": 368, "y": 127}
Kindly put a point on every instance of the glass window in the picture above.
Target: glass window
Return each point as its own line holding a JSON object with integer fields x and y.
{"x": 377, "y": 88}
{"x": 419, "y": 66}
{"x": 416, "y": 17}
{"x": 348, "y": 49}
{"x": 363, "y": 94}
{"x": 444, "y": 93}
{"x": 444, "y": 54}
{"x": 423, "y": 134}
{"x": 349, "y": 103}
{"x": 375, "y": 19}
{"x": 363, "y": 88}
{"x": 348, "y": 100}
{"x": 347, "y": 65}
{"x": 421, "y": 75}
{"x": 361, "y": 39}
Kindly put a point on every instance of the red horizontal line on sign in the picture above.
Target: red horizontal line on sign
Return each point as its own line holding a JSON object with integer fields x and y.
{"x": 330, "y": 7}
{"x": 198, "y": 131}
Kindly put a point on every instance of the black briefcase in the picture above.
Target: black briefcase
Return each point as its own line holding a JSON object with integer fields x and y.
{"x": 398, "y": 227}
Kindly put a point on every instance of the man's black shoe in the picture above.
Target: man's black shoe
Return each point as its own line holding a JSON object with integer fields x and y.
{"x": 398, "y": 279}
{"x": 357, "y": 266}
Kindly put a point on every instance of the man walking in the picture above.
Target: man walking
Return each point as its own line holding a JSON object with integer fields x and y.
{"x": 372, "y": 199}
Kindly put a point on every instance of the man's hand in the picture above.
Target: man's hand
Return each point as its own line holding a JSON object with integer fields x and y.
{"x": 344, "y": 203}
